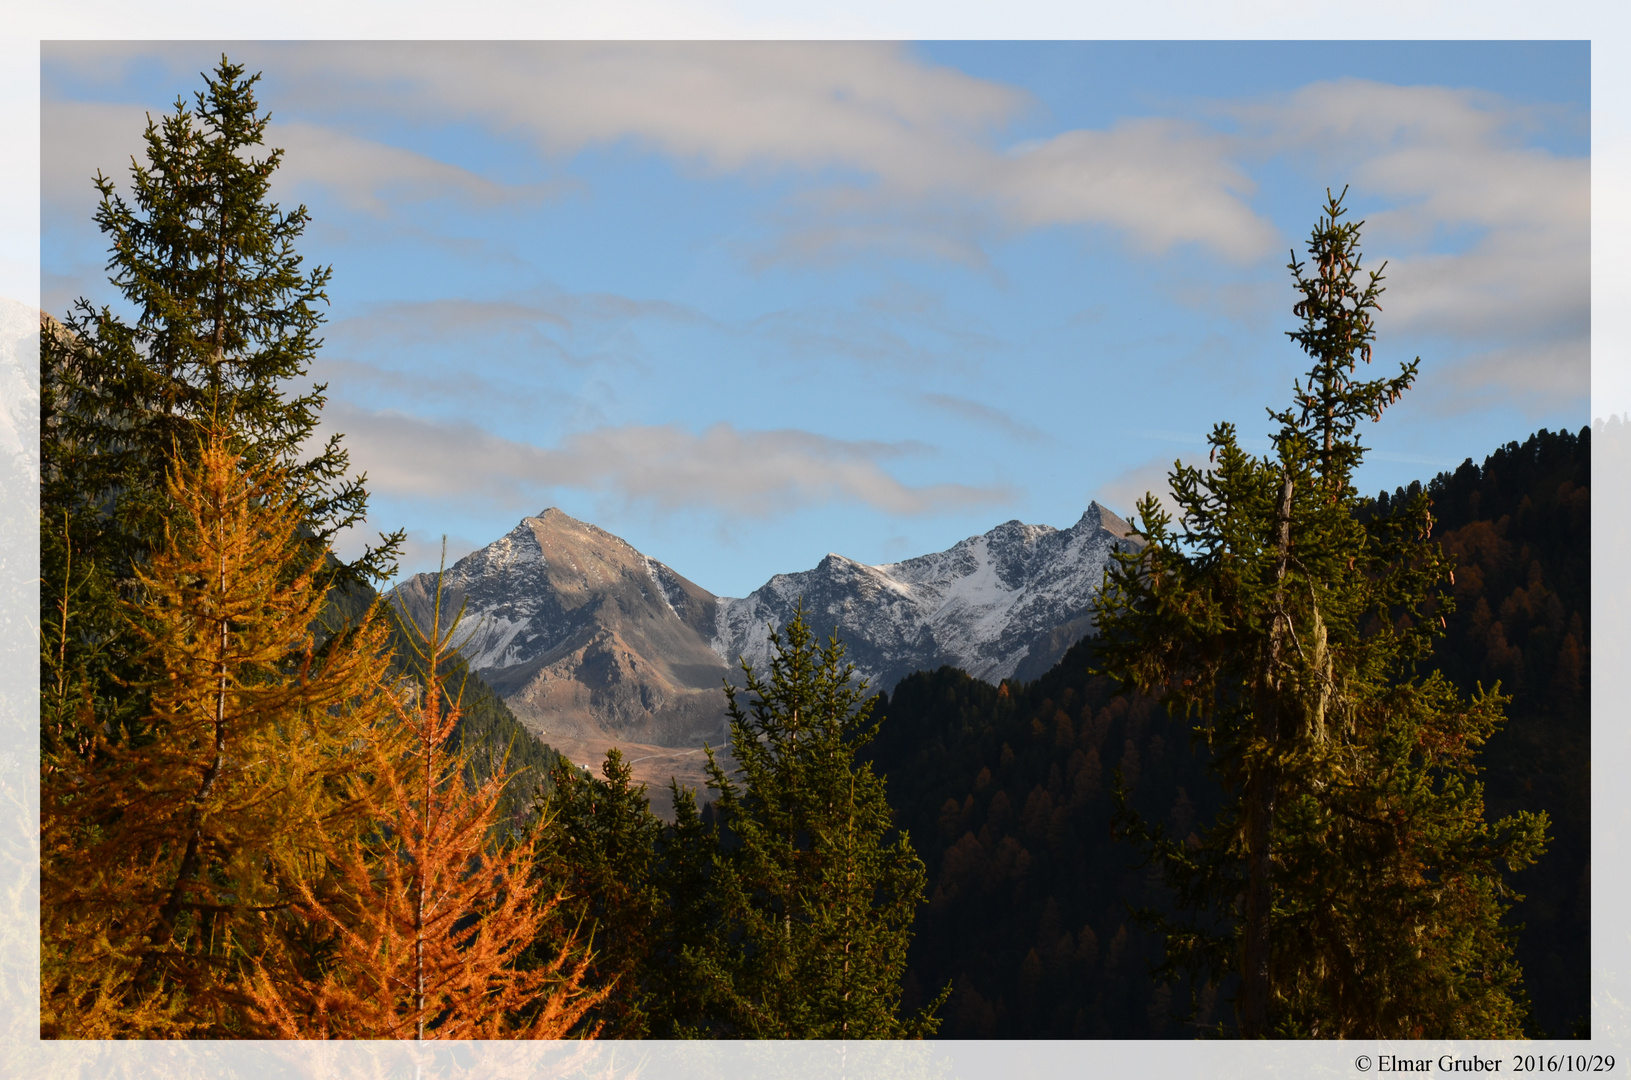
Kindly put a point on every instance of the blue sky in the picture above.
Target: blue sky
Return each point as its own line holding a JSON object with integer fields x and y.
{"x": 745, "y": 304}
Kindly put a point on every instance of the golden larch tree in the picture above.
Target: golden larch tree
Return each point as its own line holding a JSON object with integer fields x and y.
{"x": 428, "y": 912}
{"x": 172, "y": 850}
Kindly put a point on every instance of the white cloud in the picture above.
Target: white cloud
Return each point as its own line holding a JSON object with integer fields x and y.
{"x": 755, "y": 473}
{"x": 898, "y": 154}
{"x": 1538, "y": 379}
{"x": 723, "y": 107}
{"x": 1163, "y": 182}
{"x": 79, "y": 138}
{"x": 1487, "y": 238}
{"x": 370, "y": 176}
{"x": 1515, "y": 282}
{"x": 900, "y": 148}
{"x": 723, "y": 469}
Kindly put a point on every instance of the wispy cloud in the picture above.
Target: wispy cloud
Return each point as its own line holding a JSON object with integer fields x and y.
{"x": 447, "y": 319}
{"x": 423, "y": 551}
{"x": 897, "y": 327}
{"x": 821, "y": 334}
{"x": 528, "y": 351}
{"x": 723, "y": 468}
{"x": 1537, "y": 378}
{"x": 82, "y": 137}
{"x": 986, "y": 415}
{"x": 1487, "y": 237}
{"x": 897, "y": 151}
{"x": 373, "y": 177}
{"x": 1123, "y": 492}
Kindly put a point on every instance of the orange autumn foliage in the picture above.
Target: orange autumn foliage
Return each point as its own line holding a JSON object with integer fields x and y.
{"x": 427, "y": 917}
{"x": 171, "y": 852}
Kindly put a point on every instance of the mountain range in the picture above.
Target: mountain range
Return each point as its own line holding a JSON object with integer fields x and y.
{"x": 593, "y": 644}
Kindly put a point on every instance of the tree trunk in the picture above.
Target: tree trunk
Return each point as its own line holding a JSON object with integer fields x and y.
{"x": 189, "y": 868}
{"x": 1262, "y": 786}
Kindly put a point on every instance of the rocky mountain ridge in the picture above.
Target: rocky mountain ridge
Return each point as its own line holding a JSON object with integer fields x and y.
{"x": 594, "y": 644}
{"x": 1004, "y": 604}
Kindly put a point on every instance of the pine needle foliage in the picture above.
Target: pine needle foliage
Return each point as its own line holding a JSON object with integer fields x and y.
{"x": 172, "y": 851}
{"x": 426, "y": 917}
{"x": 1350, "y": 884}
{"x": 597, "y": 843}
{"x": 675, "y": 1004}
{"x": 814, "y": 886}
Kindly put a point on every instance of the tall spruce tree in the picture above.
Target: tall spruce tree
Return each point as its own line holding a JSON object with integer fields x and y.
{"x": 815, "y": 888}
{"x": 219, "y": 317}
{"x": 1350, "y": 882}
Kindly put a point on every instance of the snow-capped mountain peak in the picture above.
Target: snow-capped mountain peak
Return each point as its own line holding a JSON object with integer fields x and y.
{"x": 1007, "y": 602}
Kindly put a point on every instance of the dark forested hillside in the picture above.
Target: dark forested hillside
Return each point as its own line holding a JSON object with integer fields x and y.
{"x": 1005, "y": 791}
{"x": 1519, "y": 529}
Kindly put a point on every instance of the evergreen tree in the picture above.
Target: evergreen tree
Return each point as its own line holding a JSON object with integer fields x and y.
{"x": 1351, "y": 882}
{"x": 426, "y": 912}
{"x": 690, "y": 920}
{"x": 171, "y": 851}
{"x": 814, "y": 888}
{"x": 222, "y": 316}
{"x": 596, "y": 843}
{"x": 644, "y": 890}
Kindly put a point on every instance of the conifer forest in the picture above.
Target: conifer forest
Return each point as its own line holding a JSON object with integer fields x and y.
{"x": 1322, "y": 770}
